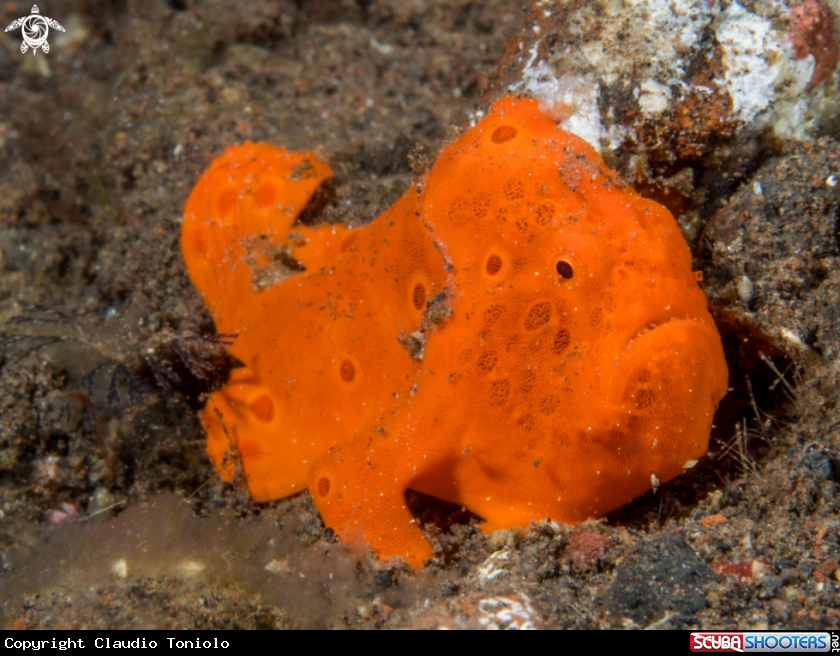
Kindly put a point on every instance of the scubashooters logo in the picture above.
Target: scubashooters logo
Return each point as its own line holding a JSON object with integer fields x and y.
{"x": 35, "y": 28}
{"x": 765, "y": 641}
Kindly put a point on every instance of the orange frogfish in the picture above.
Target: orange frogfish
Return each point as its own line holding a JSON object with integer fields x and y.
{"x": 520, "y": 334}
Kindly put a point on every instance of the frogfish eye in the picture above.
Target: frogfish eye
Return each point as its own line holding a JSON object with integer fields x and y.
{"x": 564, "y": 269}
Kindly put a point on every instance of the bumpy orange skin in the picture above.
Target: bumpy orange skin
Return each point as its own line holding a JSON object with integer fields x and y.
{"x": 540, "y": 396}
{"x": 321, "y": 347}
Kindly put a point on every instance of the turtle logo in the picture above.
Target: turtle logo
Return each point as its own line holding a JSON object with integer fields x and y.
{"x": 35, "y": 30}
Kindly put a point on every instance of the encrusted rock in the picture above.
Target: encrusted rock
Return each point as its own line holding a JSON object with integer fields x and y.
{"x": 671, "y": 90}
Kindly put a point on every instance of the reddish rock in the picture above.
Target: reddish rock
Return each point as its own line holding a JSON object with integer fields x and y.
{"x": 586, "y": 548}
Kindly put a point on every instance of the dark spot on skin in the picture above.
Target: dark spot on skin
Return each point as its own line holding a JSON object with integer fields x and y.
{"x": 564, "y": 269}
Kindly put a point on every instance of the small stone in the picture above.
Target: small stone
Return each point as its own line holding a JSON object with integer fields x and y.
{"x": 585, "y": 549}
{"x": 789, "y": 575}
{"x": 746, "y": 289}
{"x": 119, "y": 568}
{"x": 191, "y": 568}
{"x": 714, "y": 502}
{"x": 500, "y": 539}
{"x": 278, "y": 566}
{"x": 660, "y": 577}
{"x": 230, "y": 96}
{"x": 462, "y": 531}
